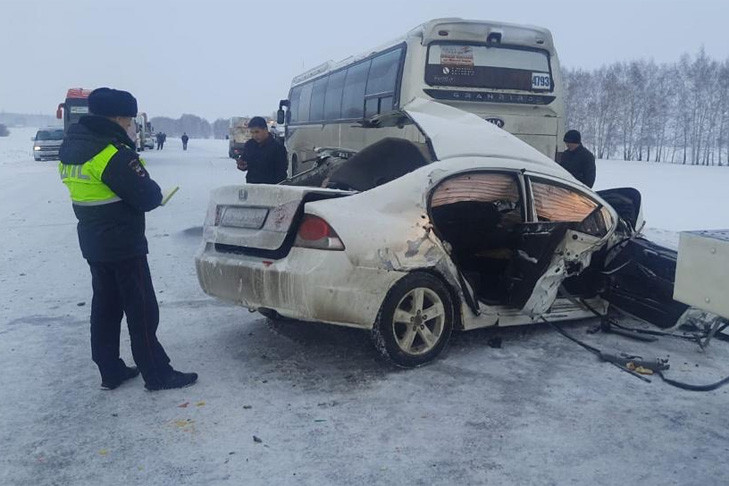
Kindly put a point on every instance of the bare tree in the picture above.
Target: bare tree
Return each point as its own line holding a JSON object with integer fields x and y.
{"x": 640, "y": 110}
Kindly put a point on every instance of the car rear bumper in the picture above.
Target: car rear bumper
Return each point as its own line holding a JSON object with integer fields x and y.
{"x": 310, "y": 285}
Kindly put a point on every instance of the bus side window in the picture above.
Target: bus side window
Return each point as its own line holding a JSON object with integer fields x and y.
{"x": 354, "y": 90}
{"x": 382, "y": 83}
{"x": 316, "y": 112}
{"x": 304, "y": 102}
{"x": 333, "y": 98}
{"x": 294, "y": 106}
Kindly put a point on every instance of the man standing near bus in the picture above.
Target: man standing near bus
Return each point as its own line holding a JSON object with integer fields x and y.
{"x": 264, "y": 158}
{"x": 577, "y": 160}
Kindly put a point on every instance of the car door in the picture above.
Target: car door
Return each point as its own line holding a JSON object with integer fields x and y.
{"x": 565, "y": 227}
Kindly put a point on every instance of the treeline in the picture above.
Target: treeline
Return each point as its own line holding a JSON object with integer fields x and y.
{"x": 193, "y": 125}
{"x": 674, "y": 112}
{"x": 28, "y": 120}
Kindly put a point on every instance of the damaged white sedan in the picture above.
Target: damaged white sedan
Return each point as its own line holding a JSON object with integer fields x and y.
{"x": 470, "y": 229}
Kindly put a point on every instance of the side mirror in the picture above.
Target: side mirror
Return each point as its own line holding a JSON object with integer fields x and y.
{"x": 280, "y": 114}
{"x": 59, "y": 111}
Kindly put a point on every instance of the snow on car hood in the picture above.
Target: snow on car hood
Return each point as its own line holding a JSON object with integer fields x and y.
{"x": 457, "y": 133}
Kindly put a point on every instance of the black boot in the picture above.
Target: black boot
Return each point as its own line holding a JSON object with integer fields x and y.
{"x": 175, "y": 379}
{"x": 126, "y": 373}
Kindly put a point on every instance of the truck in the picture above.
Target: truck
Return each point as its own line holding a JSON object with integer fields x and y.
{"x": 238, "y": 135}
{"x": 145, "y": 138}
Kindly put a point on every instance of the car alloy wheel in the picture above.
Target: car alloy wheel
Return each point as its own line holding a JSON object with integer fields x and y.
{"x": 415, "y": 321}
{"x": 418, "y": 321}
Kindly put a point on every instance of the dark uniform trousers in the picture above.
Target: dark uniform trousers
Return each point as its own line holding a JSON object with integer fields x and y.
{"x": 125, "y": 287}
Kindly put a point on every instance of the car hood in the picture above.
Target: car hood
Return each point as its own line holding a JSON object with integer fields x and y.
{"x": 456, "y": 133}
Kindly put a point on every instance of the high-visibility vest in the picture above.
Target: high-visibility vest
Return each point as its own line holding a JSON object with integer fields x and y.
{"x": 84, "y": 180}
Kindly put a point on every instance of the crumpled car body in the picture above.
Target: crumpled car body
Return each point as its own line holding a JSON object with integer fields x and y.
{"x": 483, "y": 231}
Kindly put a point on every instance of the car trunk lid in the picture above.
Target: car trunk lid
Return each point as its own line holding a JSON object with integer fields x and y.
{"x": 258, "y": 219}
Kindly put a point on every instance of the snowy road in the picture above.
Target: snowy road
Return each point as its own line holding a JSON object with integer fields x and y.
{"x": 538, "y": 410}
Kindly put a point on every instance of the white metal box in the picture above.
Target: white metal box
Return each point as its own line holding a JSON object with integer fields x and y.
{"x": 702, "y": 271}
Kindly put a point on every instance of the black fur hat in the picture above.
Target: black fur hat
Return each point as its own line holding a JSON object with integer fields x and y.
{"x": 112, "y": 102}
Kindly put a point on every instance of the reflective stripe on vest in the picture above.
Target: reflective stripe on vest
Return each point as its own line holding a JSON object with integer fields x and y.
{"x": 84, "y": 181}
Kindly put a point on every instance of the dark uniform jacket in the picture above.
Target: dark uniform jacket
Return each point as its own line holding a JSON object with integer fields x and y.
{"x": 115, "y": 231}
{"x": 267, "y": 162}
{"x": 581, "y": 164}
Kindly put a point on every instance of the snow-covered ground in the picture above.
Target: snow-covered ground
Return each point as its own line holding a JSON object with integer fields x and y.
{"x": 675, "y": 197}
{"x": 538, "y": 410}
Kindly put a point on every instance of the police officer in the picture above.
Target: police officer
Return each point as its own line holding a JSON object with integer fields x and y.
{"x": 577, "y": 160}
{"x": 263, "y": 157}
{"x": 110, "y": 191}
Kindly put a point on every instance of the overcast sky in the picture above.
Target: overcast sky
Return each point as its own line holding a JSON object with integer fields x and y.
{"x": 219, "y": 58}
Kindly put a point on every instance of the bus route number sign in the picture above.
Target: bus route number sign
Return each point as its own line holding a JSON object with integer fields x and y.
{"x": 541, "y": 81}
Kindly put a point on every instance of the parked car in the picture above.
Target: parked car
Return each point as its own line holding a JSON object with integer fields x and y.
{"x": 149, "y": 141}
{"x": 46, "y": 143}
{"x": 473, "y": 228}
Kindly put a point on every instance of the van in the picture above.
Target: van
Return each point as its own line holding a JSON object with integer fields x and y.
{"x": 46, "y": 143}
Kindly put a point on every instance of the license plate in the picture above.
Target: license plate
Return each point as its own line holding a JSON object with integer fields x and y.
{"x": 541, "y": 81}
{"x": 242, "y": 217}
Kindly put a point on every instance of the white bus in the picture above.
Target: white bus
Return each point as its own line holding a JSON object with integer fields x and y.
{"x": 508, "y": 74}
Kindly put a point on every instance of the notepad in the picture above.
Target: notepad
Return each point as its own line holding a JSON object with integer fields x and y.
{"x": 168, "y": 195}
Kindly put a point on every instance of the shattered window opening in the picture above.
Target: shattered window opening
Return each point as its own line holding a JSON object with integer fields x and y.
{"x": 477, "y": 188}
{"x": 479, "y": 214}
{"x": 558, "y": 203}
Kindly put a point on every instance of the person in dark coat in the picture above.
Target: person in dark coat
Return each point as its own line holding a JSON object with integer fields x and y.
{"x": 158, "y": 137}
{"x": 111, "y": 190}
{"x": 263, "y": 158}
{"x": 577, "y": 160}
{"x": 164, "y": 139}
{"x": 185, "y": 138}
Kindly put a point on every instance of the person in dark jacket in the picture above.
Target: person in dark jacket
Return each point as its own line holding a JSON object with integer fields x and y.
{"x": 111, "y": 190}
{"x": 185, "y": 138}
{"x": 264, "y": 158}
{"x": 577, "y": 160}
{"x": 159, "y": 140}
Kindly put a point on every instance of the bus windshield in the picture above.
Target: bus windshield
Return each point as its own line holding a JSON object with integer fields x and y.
{"x": 481, "y": 66}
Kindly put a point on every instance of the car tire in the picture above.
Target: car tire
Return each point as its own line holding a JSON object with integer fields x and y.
{"x": 37, "y": 159}
{"x": 404, "y": 332}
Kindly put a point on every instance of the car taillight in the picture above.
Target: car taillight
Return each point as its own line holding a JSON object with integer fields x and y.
{"x": 314, "y": 232}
